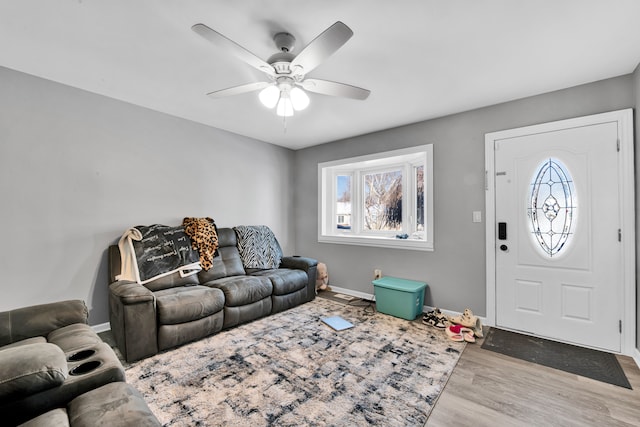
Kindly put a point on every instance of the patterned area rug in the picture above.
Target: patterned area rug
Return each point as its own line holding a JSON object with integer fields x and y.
{"x": 290, "y": 369}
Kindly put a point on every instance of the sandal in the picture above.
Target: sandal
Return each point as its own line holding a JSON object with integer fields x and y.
{"x": 454, "y": 333}
{"x": 459, "y": 331}
{"x": 477, "y": 328}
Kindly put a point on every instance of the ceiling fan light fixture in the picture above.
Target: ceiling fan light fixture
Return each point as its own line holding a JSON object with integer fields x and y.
{"x": 299, "y": 99}
{"x": 269, "y": 96}
{"x": 285, "y": 106}
{"x": 286, "y": 71}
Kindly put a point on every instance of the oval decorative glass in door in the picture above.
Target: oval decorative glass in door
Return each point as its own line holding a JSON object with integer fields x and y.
{"x": 552, "y": 207}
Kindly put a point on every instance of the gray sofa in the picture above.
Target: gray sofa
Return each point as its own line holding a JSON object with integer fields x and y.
{"x": 54, "y": 369}
{"x": 174, "y": 310}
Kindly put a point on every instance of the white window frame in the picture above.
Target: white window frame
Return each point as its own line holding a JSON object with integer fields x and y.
{"x": 356, "y": 167}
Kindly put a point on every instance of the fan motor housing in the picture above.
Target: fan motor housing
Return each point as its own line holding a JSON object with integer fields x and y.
{"x": 284, "y": 42}
{"x": 281, "y": 62}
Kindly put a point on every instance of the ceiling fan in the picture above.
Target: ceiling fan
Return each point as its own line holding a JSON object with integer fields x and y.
{"x": 287, "y": 72}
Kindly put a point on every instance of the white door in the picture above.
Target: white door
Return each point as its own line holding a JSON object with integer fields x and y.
{"x": 558, "y": 251}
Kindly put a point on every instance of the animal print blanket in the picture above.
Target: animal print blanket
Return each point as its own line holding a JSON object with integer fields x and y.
{"x": 258, "y": 247}
{"x": 204, "y": 238}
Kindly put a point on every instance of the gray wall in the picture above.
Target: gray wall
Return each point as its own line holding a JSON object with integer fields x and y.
{"x": 455, "y": 271}
{"x": 77, "y": 169}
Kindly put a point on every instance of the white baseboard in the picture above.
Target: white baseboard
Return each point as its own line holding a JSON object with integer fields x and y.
{"x": 368, "y": 297}
{"x": 371, "y": 297}
{"x": 102, "y": 327}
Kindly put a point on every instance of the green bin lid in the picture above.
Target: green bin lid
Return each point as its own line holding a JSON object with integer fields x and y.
{"x": 399, "y": 284}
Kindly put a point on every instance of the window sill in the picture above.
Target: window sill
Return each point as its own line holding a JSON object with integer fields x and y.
{"x": 380, "y": 242}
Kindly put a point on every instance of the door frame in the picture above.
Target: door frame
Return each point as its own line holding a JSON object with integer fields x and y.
{"x": 624, "y": 120}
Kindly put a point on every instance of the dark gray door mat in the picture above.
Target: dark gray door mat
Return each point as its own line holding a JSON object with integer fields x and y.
{"x": 594, "y": 364}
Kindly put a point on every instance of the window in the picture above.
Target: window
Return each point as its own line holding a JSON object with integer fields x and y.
{"x": 552, "y": 207}
{"x": 384, "y": 199}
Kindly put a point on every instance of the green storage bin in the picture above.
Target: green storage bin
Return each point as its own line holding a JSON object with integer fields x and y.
{"x": 399, "y": 297}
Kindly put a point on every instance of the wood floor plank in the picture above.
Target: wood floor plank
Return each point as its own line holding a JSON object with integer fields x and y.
{"x": 491, "y": 389}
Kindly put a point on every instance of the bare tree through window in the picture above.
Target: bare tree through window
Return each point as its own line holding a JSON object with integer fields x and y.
{"x": 383, "y": 201}
{"x": 343, "y": 202}
{"x": 419, "y": 198}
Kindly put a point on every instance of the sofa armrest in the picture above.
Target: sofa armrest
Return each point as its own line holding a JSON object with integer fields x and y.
{"x": 30, "y": 369}
{"x": 40, "y": 320}
{"x": 132, "y": 314}
{"x": 309, "y": 265}
{"x": 130, "y": 292}
{"x": 298, "y": 262}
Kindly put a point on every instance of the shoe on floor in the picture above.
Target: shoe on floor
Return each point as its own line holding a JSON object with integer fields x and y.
{"x": 469, "y": 320}
{"x": 435, "y": 318}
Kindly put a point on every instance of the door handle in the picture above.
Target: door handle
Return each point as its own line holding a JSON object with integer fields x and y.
{"x": 504, "y": 248}
{"x": 502, "y": 231}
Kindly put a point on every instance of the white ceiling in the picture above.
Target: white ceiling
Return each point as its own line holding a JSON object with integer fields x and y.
{"x": 421, "y": 59}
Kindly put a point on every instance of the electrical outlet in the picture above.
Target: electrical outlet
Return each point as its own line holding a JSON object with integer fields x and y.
{"x": 377, "y": 273}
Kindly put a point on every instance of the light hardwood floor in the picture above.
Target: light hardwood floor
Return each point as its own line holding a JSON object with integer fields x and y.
{"x": 490, "y": 389}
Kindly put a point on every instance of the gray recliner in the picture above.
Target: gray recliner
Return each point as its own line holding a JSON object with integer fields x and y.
{"x": 49, "y": 358}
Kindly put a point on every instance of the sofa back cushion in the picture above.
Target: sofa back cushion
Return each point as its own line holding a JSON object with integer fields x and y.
{"x": 173, "y": 280}
{"x": 39, "y": 320}
{"x": 228, "y": 262}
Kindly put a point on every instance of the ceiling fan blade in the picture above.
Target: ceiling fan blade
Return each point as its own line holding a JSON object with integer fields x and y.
{"x": 237, "y": 90}
{"x": 322, "y": 47}
{"x": 326, "y": 87}
{"x": 233, "y": 48}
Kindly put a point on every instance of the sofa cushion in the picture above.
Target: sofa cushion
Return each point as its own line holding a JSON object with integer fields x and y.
{"x": 170, "y": 336}
{"x": 242, "y": 290}
{"x": 234, "y": 316}
{"x": 114, "y": 405}
{"x": 55, "y": 418}
{"x": 228, "y": 261}
{"x": 172, "y": 280}
{"x": 188, "y": 303}
{"x": 33, "y": 340}
{"x": 30, "y": 368}
{"x": 284, "y": 280}
{"x": 285, "y": 302}
{"x": 74, "y": 337}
